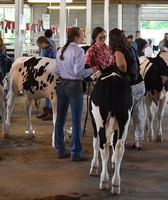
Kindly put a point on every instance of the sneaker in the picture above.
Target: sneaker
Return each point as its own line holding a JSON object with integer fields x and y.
{"x": 79, "y": 159}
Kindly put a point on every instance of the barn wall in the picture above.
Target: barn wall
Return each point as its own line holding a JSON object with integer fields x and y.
{"x": 130, "y": 17}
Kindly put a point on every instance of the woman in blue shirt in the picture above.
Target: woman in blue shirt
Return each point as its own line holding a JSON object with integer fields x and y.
{"x": 70, "y": 68}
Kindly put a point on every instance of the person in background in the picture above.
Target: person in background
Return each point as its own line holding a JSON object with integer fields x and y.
{"x": 3, "y": 60}
{"x": 148, "y": 52}
{"x": 49, "y": 51}
{"x": 125, "y": 58}
{"x": 99, "y": 54}
{"x": 141, "y": 44}
{"x": 70, "y": 68}
{"x": 162, "y": 43}
{"x": 132, "y": 42}
{"x": 48, "y": 34}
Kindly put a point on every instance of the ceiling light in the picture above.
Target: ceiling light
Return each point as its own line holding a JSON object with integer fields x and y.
{"x": 68, "y": 7}
{"x": 48, "y": 1}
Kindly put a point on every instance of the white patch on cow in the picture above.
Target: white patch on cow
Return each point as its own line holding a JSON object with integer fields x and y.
{"x": 98, "y": 119}
{"x": 111, "y": 125}
{"x": 143, "y": 63}
{"x": 112, "y": 74}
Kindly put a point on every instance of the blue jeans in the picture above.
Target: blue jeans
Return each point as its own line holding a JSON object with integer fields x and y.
{"x": 69, "y": 92}
{"x": 47, "y": 103}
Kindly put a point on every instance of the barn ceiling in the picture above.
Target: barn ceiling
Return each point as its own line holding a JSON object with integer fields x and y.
{"x": 102, "y": 1}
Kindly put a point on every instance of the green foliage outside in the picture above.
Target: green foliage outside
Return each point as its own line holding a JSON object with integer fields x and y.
{"x": 154, "y": 25}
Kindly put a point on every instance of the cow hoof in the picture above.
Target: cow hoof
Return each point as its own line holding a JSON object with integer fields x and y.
{"x": 115, "y": 189}
{"x": 159, "y": 138}
{"x": 94, "y": 171}
{"x": 104, "y": 185}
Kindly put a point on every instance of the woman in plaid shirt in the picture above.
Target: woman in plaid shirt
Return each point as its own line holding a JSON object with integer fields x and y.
{"x": 98, "y": 53}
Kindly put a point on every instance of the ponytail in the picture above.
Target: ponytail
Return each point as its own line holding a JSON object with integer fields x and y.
{"x": 63, "y": 49}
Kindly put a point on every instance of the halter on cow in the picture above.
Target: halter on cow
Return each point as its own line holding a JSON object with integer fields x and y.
{"x": 155, "y": 74}
{"x": 110, "y": 109}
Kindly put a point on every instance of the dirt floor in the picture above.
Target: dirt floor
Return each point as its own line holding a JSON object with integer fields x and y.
{"x": 29, "y": 169}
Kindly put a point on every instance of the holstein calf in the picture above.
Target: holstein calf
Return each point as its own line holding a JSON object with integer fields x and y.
{"x": 110, "y": 109}
{"x": 155, "y": 74}
{"x": 37, "y": 79}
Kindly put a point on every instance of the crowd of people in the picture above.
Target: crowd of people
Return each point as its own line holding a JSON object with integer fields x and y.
{"x": 122, "y": 52}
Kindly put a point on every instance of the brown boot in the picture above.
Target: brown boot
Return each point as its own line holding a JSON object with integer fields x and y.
{"x": 49, "y": 116}
{"x": 44, "y": 114}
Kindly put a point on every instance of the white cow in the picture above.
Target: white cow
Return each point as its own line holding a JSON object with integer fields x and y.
{"x": 155, "y": 74}
{"x": 36, "y": 77}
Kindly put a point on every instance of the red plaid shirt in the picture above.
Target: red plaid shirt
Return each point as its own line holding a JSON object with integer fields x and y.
{"x": 99, "y": 55}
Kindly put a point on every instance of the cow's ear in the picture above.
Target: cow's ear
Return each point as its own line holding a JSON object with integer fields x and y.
{"x": 164, "y": 79}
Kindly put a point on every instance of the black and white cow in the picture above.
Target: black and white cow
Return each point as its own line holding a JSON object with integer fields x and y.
{"x": 36, "y": 77}
{"x": 110, "y": 109}
{"x": 5, "y": 77}
{"x": 155, "y": 74}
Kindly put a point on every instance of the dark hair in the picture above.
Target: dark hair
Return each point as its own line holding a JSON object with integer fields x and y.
{"x": 2, "y": 46}
{"x": 42, "y": 39}
{"x": 149, "y": 41}
{"x": 96, "y": 32}
{"x": 130, "y": 37}
{"x": 48, "y": 33}
{"x": 138, "y": 31}
{"x": 116, "y": 39}
{"x": 72, "y": 34}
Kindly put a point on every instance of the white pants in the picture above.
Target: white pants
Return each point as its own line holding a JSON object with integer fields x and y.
{"x": 138, "y": 112}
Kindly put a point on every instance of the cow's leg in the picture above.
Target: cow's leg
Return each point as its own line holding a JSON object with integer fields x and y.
{"x": 54, "y": 108}
{"x": 104, "y": 177}
{"x": 119, "y": 152}
{"x": 95, "y": 160}
{"x": 9, "y": 109}
{"x": 159, "y": 116}
{"x": 150, "y": 118}
{"x": 28, "y": 108}
{"x": 113, "y": 140}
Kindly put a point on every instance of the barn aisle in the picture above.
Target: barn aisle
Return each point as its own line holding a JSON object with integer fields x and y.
{"x": 30, "y": 170}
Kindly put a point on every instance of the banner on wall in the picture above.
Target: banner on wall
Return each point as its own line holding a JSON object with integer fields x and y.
{"x": 46, "y": 21}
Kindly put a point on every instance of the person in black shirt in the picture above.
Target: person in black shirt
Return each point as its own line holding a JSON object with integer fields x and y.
{"x": 141, "y": 44}
{"x": 125, "y": 60}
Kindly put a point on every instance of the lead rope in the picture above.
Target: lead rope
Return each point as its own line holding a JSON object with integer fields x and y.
{"x": 87, "y": 110}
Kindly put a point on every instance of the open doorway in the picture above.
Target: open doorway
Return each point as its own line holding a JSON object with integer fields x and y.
{"x": 154, "y": 21}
